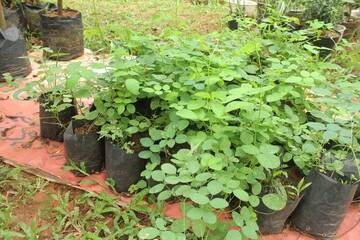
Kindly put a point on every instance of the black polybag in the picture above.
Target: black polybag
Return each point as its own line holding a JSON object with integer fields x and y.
{"x": 52, "y": 126}
{"x": 32, "y": 14}
{"x": 272, "y": 222}
{"x": 351, "y": 169}
{"x": 12, "y": 47}
{"x": 122, "y": 167}
{"x": 63, "y": 34}
{"x": 323, "y": 207}
{"x": 87, "y": 148}
{"x": 14, "y": 17}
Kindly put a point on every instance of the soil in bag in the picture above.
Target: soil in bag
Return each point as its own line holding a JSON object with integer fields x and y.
{"x": 122, "y": 167}
{"x": 52, "y": 126}
{"x": 12, "y": 51}
{"x": 82, "y": 144}
{"x": 324, "y": 205}
{"x": 63, "y": 34}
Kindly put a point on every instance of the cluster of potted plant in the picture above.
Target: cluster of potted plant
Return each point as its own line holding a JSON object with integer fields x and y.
{"x": 12, "y": 48}
{"x": 61, "y": 29}
{"x": 223, "y": 120}
{"x": 325, "y": 21}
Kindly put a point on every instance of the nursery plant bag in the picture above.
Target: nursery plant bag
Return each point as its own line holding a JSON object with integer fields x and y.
{"x": 122, "y": 167}
{"x": 272, "y": 222}
{"x": 323, "y": 207}
{"x": 87, "y": 148}
{"x": 12, "y": 47}
{"x": 349, "y": 169}
{"x": 352, "y": 30}
{"x": 14, "y": 17}
{"x": 63, "y": 34}
{"x": 49, "y": 124}
{"x": 32, "y": 14}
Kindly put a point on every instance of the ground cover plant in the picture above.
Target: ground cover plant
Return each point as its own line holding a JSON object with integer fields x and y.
{"x": 223, "y": 120}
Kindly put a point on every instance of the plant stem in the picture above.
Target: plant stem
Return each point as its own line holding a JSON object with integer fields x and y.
{"x": 2, "y": 19}
{"x": 60, "y": 7}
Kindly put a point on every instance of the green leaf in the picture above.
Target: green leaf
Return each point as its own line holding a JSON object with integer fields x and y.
{"x": 195, "y": 213}
{"x": 160, "y": 224}
{"x": 186, "y": 113}
{"x": 148, "y": 233}
{"x": 167, "y": 235}
{"x": 196, "y": 104}
{"x": 321, "y": 91}
{"x": 199, "y": 198}
{"x": 210, "y": 217}
{"x": 218, "y": 109}
{"x": 214, "y": 187}
{"x": 97, "y": 66}
{"x": 268, "y": 160}
{"x": 203, "y": 177}
{"x": 274, "y": 201}
{"x": 180, "y": 225}
{"x": 274, "y": 97}
{"x": 182, "y": 124}
{"x": 145, "y": 154}
{"x": 72, "y": 81}
{"x": 241, "y": 194}
{"x": 172, "y": 179}
{"x": 316, "y": 125}
{"x": 219, "y": 203}
{"x": 82, "y": 93}
{"x": 238, "y": 219}
{"x": 120, "y": 109}
{"x": 333, "y": 127}
{"x": 254, "y": 200}
{"x": 132, "y": 85}
{"x": 236, "y": 105}
{"x": 193, "y": 166}
{"x": 164, "y": 195}
{"x": 250, "y": 149}
{"x": 249, "y": 232}
{"x": 168, "y": 168}
{"x": 157, "y": 188}
{"x": 158, "y": 175}
{"x": 309, "y": 147}
{"x": 87, "y": 74}
{"x": 89, "y": 181}
{"x": 181, "y": 138}
{"x": 330, "y": 135}
{"x": 252, "y": 69}
{"x": 155, "y": 148}
{"x": 155, "y": 134}
{"x": 246, "y": 137}
{"x": 146, "y": 142}
{"x": 199, "y": 228}
{"x": 233, "y": 235}
{"x": 268, "y": 148}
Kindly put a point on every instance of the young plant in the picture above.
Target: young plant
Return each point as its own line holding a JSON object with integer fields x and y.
{"x": 296, "y": 191}
{"x": 328, "y": 11}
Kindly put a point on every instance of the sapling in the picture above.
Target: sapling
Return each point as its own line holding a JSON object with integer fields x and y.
{"x": 298, "y": 189}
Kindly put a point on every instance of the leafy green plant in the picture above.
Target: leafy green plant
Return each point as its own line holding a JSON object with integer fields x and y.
{"x": 295, "y": 191}
{"x": 330, "y": 11}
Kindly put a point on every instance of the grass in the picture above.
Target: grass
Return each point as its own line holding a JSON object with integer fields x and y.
{"x": 33, "y": 208}
{"x": 104, "y": 20}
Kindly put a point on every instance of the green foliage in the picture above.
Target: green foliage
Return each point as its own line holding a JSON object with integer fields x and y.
{"x": 329, "y": 11}
{"x": 219, "y": 118}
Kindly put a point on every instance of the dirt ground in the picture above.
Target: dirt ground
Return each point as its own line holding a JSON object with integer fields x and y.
{"x": 45, "y": 205}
